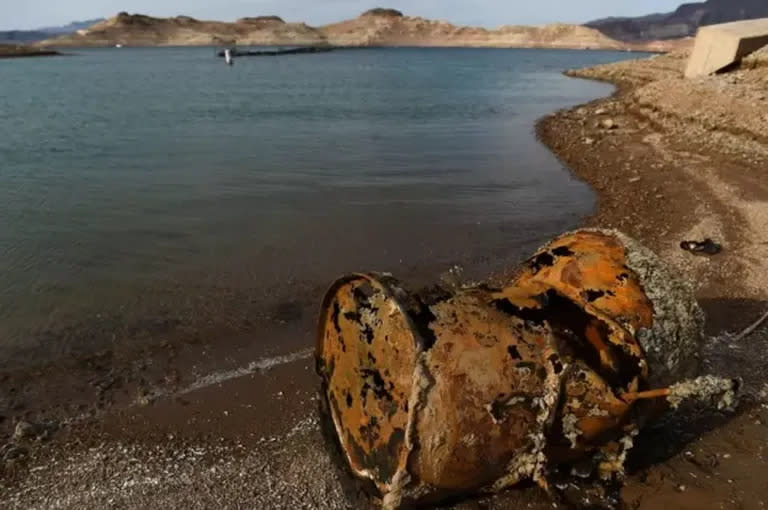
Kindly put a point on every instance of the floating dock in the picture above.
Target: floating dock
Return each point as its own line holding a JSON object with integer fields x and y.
{"x": 279, "y": 52}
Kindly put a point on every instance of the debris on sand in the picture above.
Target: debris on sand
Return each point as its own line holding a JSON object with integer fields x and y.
{"x": 705, "y": 247}
{"x": 719, "y": 391}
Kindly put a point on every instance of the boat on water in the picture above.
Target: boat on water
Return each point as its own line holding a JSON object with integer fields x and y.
{"x": 228, "y": 57}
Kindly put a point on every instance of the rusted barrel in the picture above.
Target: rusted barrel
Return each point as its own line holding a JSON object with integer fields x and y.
{"x": 475, "y": 390}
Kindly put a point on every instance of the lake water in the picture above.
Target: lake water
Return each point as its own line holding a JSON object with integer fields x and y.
{"x": 145, "y": 192}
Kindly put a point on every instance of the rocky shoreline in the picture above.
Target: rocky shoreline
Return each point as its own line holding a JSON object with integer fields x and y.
{"x": 674, "y": 160}
{"x": 670, "y": 160}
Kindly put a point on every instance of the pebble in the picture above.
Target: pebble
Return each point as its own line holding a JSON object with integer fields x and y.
{"x": 10, "y": 452}
{"x": 27, "y": 431}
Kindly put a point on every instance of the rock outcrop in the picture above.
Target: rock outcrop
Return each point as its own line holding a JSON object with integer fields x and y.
{"x": 376, "y": 27}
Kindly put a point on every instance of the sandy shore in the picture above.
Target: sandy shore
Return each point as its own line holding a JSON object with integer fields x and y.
{"x": 670, "y": 159}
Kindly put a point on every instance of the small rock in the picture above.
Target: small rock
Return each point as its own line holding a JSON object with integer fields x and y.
{"x": 589, "y": 141}
{"x": 581, "y": 112}
{"x": 633, "y": 180}
{"x": 10, "y": 452}
{"x": 608, "y": 124}
{"x": 25, "y": 430}
{"x": 681, "y": 488}
{"x": 601, "y": 111}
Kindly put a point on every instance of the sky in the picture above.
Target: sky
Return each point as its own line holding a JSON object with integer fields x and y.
{"x": 28, "y": 14}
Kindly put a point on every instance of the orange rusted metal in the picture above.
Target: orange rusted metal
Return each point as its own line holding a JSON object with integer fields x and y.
{"x": 367, "y": 350}
{"x": 477, "y": 389}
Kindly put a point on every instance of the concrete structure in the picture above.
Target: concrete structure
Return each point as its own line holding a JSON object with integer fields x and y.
{"x": 719, "y": 46}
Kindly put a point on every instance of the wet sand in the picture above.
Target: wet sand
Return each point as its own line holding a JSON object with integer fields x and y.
{"x": 682, "y": 160}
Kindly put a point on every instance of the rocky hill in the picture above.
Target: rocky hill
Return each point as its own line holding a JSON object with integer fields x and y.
{"x": 377, "y": 27}
{"x": 139, "y": 30}
{"x": 683, "y": 22}
{"x": 386, "y": 27}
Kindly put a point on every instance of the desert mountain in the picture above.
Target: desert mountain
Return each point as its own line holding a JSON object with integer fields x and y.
{"x": 388, "y": 27}
{"x": 683, "y": 22}
{"x": 140, "y": 30}
{"x": 377, "y": 27}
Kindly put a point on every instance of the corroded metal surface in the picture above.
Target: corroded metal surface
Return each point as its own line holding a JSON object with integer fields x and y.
{"x": 589, "y": 270}
{"x": 477, "y": 389}
{"x": 489, "y": 374}
{"x": 367, "y": 353}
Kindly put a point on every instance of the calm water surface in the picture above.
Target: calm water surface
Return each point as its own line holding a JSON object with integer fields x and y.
{"x": 153, "y": 190}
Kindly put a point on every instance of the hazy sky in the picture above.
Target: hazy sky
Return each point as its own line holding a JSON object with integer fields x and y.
{"x": 26, "y": 14}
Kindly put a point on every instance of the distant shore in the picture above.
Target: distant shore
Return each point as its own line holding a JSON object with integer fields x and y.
{"x": 21, "y": 51}
{"x": 374, "y": 28}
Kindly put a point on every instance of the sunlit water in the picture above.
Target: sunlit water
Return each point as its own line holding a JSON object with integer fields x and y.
{"x": 147, "y": 190}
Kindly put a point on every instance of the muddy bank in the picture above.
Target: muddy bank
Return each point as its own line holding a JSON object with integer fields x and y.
{"x": 670, "y": 160}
